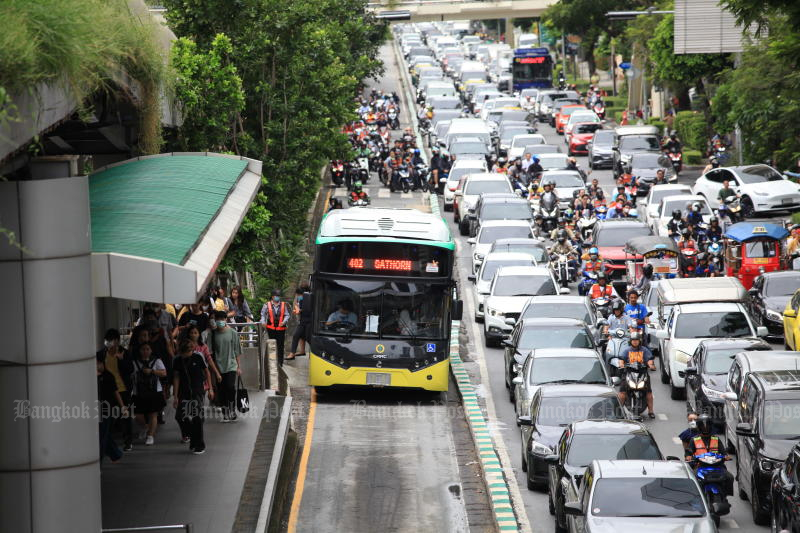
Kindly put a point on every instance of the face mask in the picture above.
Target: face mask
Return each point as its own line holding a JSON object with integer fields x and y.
{"x": 220, "y": 323}
{"x": 178, "y": 306}
{"x": 300, "y": 298}
{"x": 276, "y": 298}
{"x": 693, "y": 424}
{"x": 205, "y": 308}
{"x": 109, "y": 344}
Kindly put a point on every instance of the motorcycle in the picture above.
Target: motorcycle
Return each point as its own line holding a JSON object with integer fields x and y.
{"x": 361, "y": 202}
{"x": 715, "y": 482}
{"x": 589, "y": 279}
{"x": 394, "y": 122}
{"x": 689, "y": 260}
{"x": 559, "y": 263}
{"x": 401, "y": 180}
{"x": 549, "y": 211}
{"x": 337, "y": 172}
{"x": 635, "y": 376}
{"x": 676, "y": 158}
{"x": 363, "y": 169}
{"x": 603, "y": 305}
{"x": 714, "y": 251}
{"x": 586, "y": 225}
{"x": 731, "y": 207}
{"x": 422, "y": 175}
{"x": 601, "y": 212}
{"x": 600, "y": 110}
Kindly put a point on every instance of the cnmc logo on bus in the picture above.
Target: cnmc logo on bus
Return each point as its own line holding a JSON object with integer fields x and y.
{"x": 380, "y": 348}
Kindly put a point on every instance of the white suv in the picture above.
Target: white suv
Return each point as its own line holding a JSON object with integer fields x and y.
{"x": 459, "y": 168}
{"x": 511, "y": 288}
{"x": 761, "y": 187}
{"x": 476, "y": 185}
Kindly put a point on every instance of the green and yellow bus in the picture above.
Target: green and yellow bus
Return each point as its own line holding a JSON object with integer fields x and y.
{"x": 383, "y": 300}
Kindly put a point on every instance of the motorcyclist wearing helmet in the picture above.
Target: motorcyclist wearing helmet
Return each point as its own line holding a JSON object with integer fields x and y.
{"x": 671, "y": 142}
{"x": 637, "y": 353}
{"x": 532, "y": 166}
{"x": 563, "y": 246}
{"x": 704, "y": 441}
{"x": 714, "y": 231}
{"x": 416, "y": 159}
{"x": 358, "y": 193}
{"x": 694, "y": 216}
{"x": 705, "y": 268}
{"x": 676, "y": 225}
{"x": 713, "y": 163}
{"x": 618, "y": 319}
{"x": 647, "y": 276}
{"x": 562, "y": 226}
{"x": 599, "y": 198}
{"x": 549, "y": 196}
{"x": 501, "y": 166}
{"x": 601, "y": 289}
{"x": 515, "y": 171}
{"x": 592, "y": 264}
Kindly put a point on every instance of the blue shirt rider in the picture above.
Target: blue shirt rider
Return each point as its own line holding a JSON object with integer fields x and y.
{"x": 636, "y": 311}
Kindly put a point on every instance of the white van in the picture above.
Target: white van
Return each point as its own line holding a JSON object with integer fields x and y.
{"x": 467, "y": 127}
{"x": 701, "y": 308}
{"x": 527, "y": 40}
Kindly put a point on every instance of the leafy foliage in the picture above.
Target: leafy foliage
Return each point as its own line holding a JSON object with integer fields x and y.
{"x": 209, "y": 92}
{"x": 300, "y": 64}
{"x": 692, "y": 129}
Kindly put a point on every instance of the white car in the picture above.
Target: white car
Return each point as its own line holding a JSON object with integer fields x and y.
{"x": 498, "y": 103}
{"x": 460, "y": 168}
{"x": 474, "y": 186}
{"x": 680, "y": 202}
{"x": 511, "y": 287}
{"x": 492, "y": 230}
{"x": 566, "y": 184}
{"x": 579, "y": 116}
{"x": 761, "y": 187}
{"x": 657, "y": 193}
{"x": 690, "y": 323}
{"x": 482, "y": 281}
{"x": 520, "y": 142}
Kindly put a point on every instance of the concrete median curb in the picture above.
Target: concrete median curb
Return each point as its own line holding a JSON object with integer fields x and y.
{"x": 493, "y": 476}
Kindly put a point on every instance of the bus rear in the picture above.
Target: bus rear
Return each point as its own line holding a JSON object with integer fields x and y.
{"x": 532, "y": 67}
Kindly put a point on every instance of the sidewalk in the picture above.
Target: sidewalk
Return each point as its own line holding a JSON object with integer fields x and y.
{"x": 166, "y": 484}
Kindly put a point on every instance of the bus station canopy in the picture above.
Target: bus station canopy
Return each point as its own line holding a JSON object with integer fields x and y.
{"x": 161, "y": 224}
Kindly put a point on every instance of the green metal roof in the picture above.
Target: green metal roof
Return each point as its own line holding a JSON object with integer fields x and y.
{"x": 159, "y": 207}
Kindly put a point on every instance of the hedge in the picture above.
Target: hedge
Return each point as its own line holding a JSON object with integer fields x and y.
{"x": 692, "y": 157}
{"x": 657, "y": 122}
{"x": 796, "y": 218}
{"x": 617, "y": 116}
{"x": 692, "y": 129}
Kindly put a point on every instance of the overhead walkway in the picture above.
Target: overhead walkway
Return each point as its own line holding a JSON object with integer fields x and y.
{"x": 438, "y": 10}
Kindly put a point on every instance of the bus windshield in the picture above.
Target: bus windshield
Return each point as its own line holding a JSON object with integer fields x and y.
{"x": 381, "y": 309}
{"x": 524, "y": 71}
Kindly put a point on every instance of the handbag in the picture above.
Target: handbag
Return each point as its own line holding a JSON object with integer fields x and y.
{"x": 242, "y": 398}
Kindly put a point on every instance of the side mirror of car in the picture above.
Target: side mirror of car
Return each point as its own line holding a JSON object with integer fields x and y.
{"x": 506, "y": 343}
{"x": 743, "y": 429}
{"x": 471, "y": 240}
{"x": 511, "y": 321}
{"x": 762, "y": 331}
{"x": 730, "y": 396}
{"x": 615, "y": 381}
{"x": 573, "y": 508}
{"x": 517, "y": 380}
{"x": 524, "y": 421}
{"x": 662, "y": 334}
{"x": 673, "y": 458}
{"x": 471, "y": 278}
{"x": 563, "y": 290}
{"x": 690, "y": 371}
{"x": 551, "y": 459}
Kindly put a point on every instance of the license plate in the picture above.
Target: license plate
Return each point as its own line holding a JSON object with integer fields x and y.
{"x": 761, "y": 261}
{"x": 379, "y": 379}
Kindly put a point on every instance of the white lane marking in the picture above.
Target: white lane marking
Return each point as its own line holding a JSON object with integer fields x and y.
{"x": 491, "y": 417}
{"x": 728, "y": 523}
{"x": 662, "y": 416}
{"x": 384, "y": 193}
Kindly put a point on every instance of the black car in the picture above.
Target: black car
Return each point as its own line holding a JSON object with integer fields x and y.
{"x": 766, "y": 430}
{"x": 644, "y": 165}
{"x": 585, "y": 441}
{"x": 534, "y": 333}
{"x": 601, "y": 152}
{"x": 707, "y": 375}
{"x": 768, "y": 298}
{"x": 497, "y": 206}
{"x": 785, "y": 494}
{"x": 554, "y": 407}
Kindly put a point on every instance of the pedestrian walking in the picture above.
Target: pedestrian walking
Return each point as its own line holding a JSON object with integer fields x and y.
{"x": 274, "y": 317}
{"x": 190, "y": 377}
{"x": 302, "y": 309}
{"x": 148, "y": 394}
{"x": 109, "y": 401}
{"x": 238, "y": 309}
{"x": 193, "y": 333}
{"x": 227, "y": 351}
{"x": 117, "y": 361}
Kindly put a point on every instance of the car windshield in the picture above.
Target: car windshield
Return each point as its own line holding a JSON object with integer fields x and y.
{"x": 553, "y": 161}
{"x": 481, "y": 186}
{"x": 583, "y": 117}
{"x": 509, "y": 133}
{"x": 536, "y": 251}
{"x": 577, "y": 311}
{"x": 548, "y": 99}
{"x": 490, "y": 267}
{"x": 647, "y": 497}
{"x": 712, "y": 324}
{"x": 381, "y": 309}
{"x": 565, "y": 180}
{"x": 554, "y": 369}
{"x": 759, "y": 174}
{"x": 761, "y": 249}
{"x": 562, "y": 411}
{"x": 603, "y": 138}
{"x": 782, "y": 419}
{"x": 631, "y": 143}
{"x": 657, "y": 195}
{"x": 683, "y": 205}
{"x": 554, "y": 337}
{"x": 456, "y": 173}
{"x": 586, "y": 448}
{"x": 491, "y": 234}
{"x": 719, "y": 361}
{"x": 468, "y": 148}
{"x": 521, "y": 142}
{"x": 611, "y": 237}
{"x": 782, "y": 286}
{"x": 566, "y": 111}
{"x": 539, "y": 285}
{"x": 587, "y": 128}
{"x": 646, "y": 161}
{"x": 507, "y": 211}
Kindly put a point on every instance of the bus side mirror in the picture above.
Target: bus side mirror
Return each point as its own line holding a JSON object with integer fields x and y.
{"x": 458, "y": 309}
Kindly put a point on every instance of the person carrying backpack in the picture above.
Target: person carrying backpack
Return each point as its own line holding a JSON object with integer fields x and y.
{"x": 190, "y": 374}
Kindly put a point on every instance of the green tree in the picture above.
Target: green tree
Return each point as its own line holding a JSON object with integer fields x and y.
{"x": 209, "y": 93}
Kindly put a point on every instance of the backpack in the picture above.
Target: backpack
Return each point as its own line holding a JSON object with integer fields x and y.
{"x": 146, "y": 383}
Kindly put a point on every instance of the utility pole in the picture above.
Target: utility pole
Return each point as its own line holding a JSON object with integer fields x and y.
{"x": 613, "y": 70}
{"x": 564, "y": 54}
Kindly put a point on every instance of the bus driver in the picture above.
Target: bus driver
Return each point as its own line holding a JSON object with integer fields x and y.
{"x": 342, "y": 315}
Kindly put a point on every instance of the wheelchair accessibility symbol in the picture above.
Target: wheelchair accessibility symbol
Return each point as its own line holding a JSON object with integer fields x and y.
{"x": 430, "y": 347}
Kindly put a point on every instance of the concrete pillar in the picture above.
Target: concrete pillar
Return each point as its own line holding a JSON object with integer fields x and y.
{"x": 49, "y": 458}
{"x": 511, "y": 38}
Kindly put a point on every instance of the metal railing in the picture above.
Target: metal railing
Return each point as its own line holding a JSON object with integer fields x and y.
{"x": 178, "y": 527}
